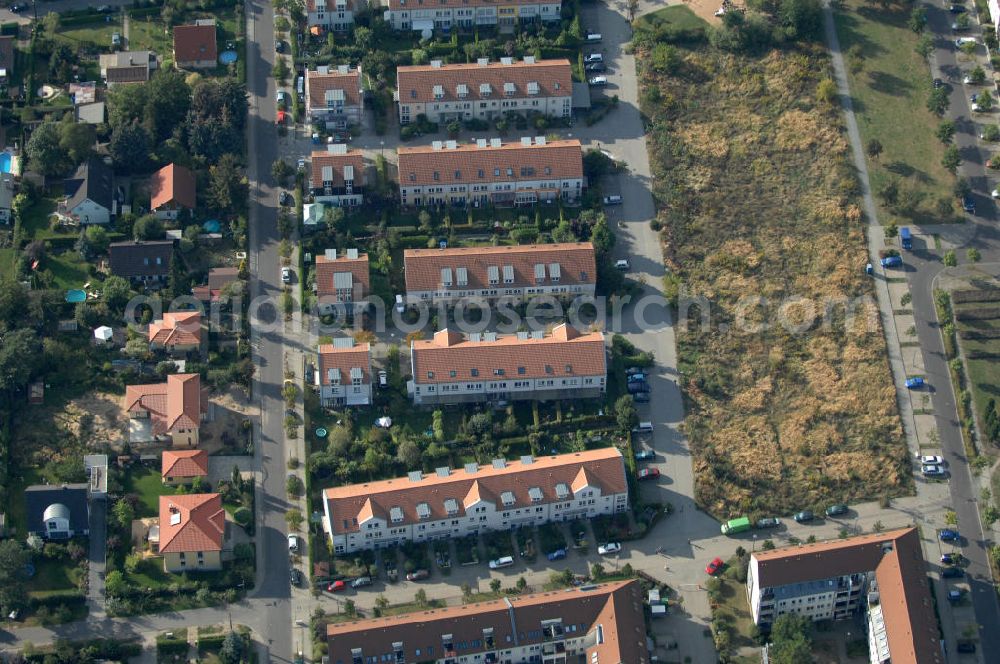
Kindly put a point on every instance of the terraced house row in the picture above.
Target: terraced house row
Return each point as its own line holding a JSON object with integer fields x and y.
{"x": 420, "y": 15}
{"x": 454, "y": 503}
{"x": 592, "y": 624}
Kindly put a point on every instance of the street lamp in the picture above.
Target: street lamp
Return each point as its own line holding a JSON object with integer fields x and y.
{"x": 381, "y": 149}
{"x": 754, "y": 541}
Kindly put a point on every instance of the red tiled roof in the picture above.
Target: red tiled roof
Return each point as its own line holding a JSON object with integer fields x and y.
{"x": 347, "y": 503}
{"x": 416, "y": 84}
{"x": 218, "y": 277}
{"x": 564, "y": 353}
{"x": 395, "y": 5}
{"x": 317, "y": 85}
{"x": 182, "y": 328}
{"x": 184, "y": 463}
{"x": 172, "y": 184}
{"x": 195, "y": 42}
{"x": 343, "y": 360}
{"x": 172, "y": 406}
{"x": 614, "y": 608}
{"x": 337, "y": 162}
{"x": 357, "y": 267}
{"x": 472, "y": 164}
{"x": 576, "y": 261}
{"x": 192, "y": 522}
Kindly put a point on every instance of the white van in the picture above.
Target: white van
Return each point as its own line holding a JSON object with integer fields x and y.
{"x": 300, "y": 86}
{"x": 622, "y": 265}
{"x": 644, "y": 427}
{"x": 506, "y": 561}
{"x": 593, "y": 37}
{"x": 400, "y": 307}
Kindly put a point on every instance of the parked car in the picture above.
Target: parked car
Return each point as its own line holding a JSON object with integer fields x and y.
{"x": 294, "y": 576}
{"x": 634, "y": 370}
{"x": 279, "y": 46}
{"x": 931, "y": 459}
{"x": 955, "y": 595}
{"x": 595, "y": 67}
{"x": 637, "y": 386}
{"x": 635, "y": 378}
{"x": 648, "y": 474}
{"x": 956, "y": 9}
{"x": 609, "y": 548}
{"x": 952, "y": 573}
{"x": 103, "y": 9}
{"x": 361, "y": 582}
{"x": 768, "y": 522}
{"x": 614, "y": 199}
{"x": 804, "y": 516}
{"x": 116, "y": 40}
{"x": 418, "y": 575}
{"x": 500, "y": 563}
{"x": 286, "y": 199}
{"x": 914, "y": 383}
{"x": 286, "y": 275}
{"x": 968, "y": 202}
{"x": 892, "y": 261}
{"x": 836, "y": 510}
{"x": 594, "y": 37}
{"x": 17, "y": 8}
{"x": 965, "y": 40}
{"x": 383, "y": 379}
{"x": 938, "y": 83}
{"x": 966, "y": 646}
{"x": 591, "y": 58}
{"x": 293, "y": 543}
{"x": 598, "y": 81}
{"x": 950, "y": 558}
{"x": 281, "y": 97}
{"x": 641, "y": 397}
{"x": 645, "y": 455}
{"x": 558, "y": 554}
{"x": 948, "y": 535}
{"x": 622, "y": 264}
{"x": 714, "y": 567}
{"x": 932, "y": 471}
{"x": 337, "y": 586}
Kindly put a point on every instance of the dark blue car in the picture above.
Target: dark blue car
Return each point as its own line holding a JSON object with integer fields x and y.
{"x": 949, "y": 535}
{"x": 558, "y": 554}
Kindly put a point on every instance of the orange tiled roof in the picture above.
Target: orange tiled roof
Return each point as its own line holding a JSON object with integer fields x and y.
{"x": 172, "y": 184}
{"x": 175, "y": 405}
{"x": 184, "y": 463}
{"x": 192, "y": 522}
{"x": 614, "y": 607}
{"x": 325, "y": 159}
{"x": 476, "y": 164}
{"x": 576, "y": 261}
{"x": 348, "y": 504}
{"x": 343, "y": 360}
{"x": 357, "y": 267}
{"x": 180, "y": 328}
{"x": 554, "y": 78}
{"x": 195, "y": 42}
{"x": 317, "y": 85}
{"x": 564, "y": 353}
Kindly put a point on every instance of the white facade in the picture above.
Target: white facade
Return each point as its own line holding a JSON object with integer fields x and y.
{"x": 541, "y": 389}
{"x": 512, "y": 295}
{"x": 831, "y": 598}
{"x": 514, "y": 191}
{"x": 337, "y": 15}
{"x": 445, "y": 111}
{"x": 376, "y": 533}
{"x": 89, "y": 212}
{"x": 405, "y": 15}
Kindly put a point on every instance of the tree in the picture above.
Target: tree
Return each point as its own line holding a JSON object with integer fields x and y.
{"x": 991, "y": 133}
{"x": 125, "y": 104}
{"x": 129, "y": 147}
{"x": 969, "y": 48}
{"x": 600, "y": 235}
{"x": 280, "y": 70}
{"x": 951, "y": 518}
{"x": 791, "y": 639}
{"x": 50, "y": 23}
{"x": 564, "y": 232}
{"x": 951, "y": 159}
{"x": 874, "y": 148}
{"x": 925, "y": 46}
{"x": 625, "y": 413}
{"x": 801, "y": 18}
{"x": 45, "y": 152}
{"x": 123, "y": 512}
{"x": 984, "y": 101}
{"x": 946, "y": 131}
{"x": 232, "y": 649}
{"x": 114, "y": 583}
{"x": 521, "y": 584}
{"x": 13, "y": 559}
{"x": 408, "y": 453}
{"x": 938, "y": 102}
{"x": 495, "y": 586}
{"x": 148, "y": 227}
{"x": 973, "y": 255}
{"x": 364, "y": 38}
{"x": 420, "y": 597}
{"x": 61, "y": 63}
{"x": 918, "y": 19}
{"x": 227, "y": 190}
{"x": 77, "y": 140}
{"x": 116, "y": 292}
{"x": 826, "y": 91}
{"x": 281, "y": 170}
{"x": 168, "y": 99}
{"x": 19, "y": 350}
{"x": 332, "y": 216}
{"x": 977, "y": 75}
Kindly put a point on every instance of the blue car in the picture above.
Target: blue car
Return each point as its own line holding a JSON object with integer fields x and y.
{"x": 949, "y": 535}
{"x": 968, "y": 204}
{"x": 558, "y": 554}
{"x": 892, "y": 261}
{"x": 914, "y": 383}
{"x": 636, "y": 377}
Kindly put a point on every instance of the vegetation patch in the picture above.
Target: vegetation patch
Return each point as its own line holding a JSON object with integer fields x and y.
{"x": 787, "y": 407}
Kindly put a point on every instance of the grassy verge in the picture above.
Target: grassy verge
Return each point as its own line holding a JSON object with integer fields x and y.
{"x": 758, "y": 198}
{"x": 890, "y": 84}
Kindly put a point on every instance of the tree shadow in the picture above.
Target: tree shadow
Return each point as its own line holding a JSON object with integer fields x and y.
{"x": 889, "y": 84}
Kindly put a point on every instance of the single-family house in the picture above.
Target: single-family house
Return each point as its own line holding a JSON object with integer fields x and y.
{"x": 344, "y": 377}
{"x": 176, "y": 332}
{"x": 195, "y": 46}
{"x": 192, "y": 531}
{"x": 334, "y": 96}
{"x": 172, "y": 411}
{"x": 146, "y": 262}
{"x": 338, "y": 176}
{"x": 89, "y": 193}
{"x": 57, "y": 512}
{"x": 342, "y": 281}
{"x": 335, "y": 15}
{"x": 183, "y": 466}
{"x": 171, "y": 189}
{"x": 218, "y": 279}
{"x": 127, "y": 67}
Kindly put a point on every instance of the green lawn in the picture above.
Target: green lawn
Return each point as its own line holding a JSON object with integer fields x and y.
{"x": 150, "y": 574}
{"x": 148, "y": 33}
{"x": 146, "y": 483}
{"x": 676, "y": 16}
{"x": 981, "y": 357}
{"x": 890, "y": 94}
{"x": 7, "y": 262}
{"x": 35, "y": 223}
{"x": 97, "y": 33}
{"x": 68, "y": 269}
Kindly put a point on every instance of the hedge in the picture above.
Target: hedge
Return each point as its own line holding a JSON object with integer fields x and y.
{"x": 210, "y": 641}
{"x": 58, "y": 598}
{"x": 983, "y": 295}
{"x": 171, "y": 646}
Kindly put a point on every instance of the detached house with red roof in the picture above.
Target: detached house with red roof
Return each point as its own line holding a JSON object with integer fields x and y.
{"x": 455, "y": 503}
{"x": 597, "y": 624}
{"x": 452, "y": 368}
{"x": 183, "y": 466}
{"x": 338, "y": 176}
{"x": 490, "y": 172}
{"x": 334, "y": 96}
{"x": 172, "y": 189}
{"x": 195, "y": 46}
{"x": 342, "y": 281}
{"x": 171, "y": 411}
{"x": 344, "y": 377}
{"x": 522, "y": 271}
{"x": 177, "y": 332}
{"x": 335, "y": 15}
{"x": 192, "y": 531}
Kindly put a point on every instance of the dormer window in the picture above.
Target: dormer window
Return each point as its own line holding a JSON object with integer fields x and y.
{"x": 569, "y": 368}
{"x": 423, "y": 511}
{"x": 474, "y": 372}
{"x": 438, "y": 92}
{"x": 462, "y": 90}
{"x": 498, "y": 372}
{"x": 458, "y": 175}
{"x": 509, "y": 89}
{"x": 437, "y": 176}
{"x": 413, "y": 177}
{"x": 532, "y": 87}
{"x": 430, "y": 374}
{"x": 485, "y": 90}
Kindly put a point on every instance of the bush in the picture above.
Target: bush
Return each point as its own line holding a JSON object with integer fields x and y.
{"x": 242, "y": 516}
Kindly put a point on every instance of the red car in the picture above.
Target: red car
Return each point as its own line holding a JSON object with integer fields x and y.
{"x": 714, "y": 567}
{"x": 336, "y": 586}
{"x": 649, "y": 473}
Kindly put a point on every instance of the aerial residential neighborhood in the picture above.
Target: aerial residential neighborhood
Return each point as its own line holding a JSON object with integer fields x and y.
{"x": 470, "y": 332}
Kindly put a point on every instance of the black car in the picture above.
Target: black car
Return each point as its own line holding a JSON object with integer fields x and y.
{"x": 836, "y": 510}
{"x": 18, "y": 8}
{"x": 637, "y": 386}
{"x": 294, "y": 576}
{"x": 641, "y": 397}
{"x": 286, "y": 199}
{"x": 595, "y": 66}
{"x": 938, "y": 83}
{"x": 956, "y": 9}
{"x": 968, "y": 204}
{"x": 966, "y": 646}
{"x": 952, "y": 573}
{"x": 804, "y": 516}
{"x": 279, "y": 46}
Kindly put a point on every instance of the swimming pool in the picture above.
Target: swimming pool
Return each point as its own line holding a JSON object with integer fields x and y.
{"x": 5, "y": 161}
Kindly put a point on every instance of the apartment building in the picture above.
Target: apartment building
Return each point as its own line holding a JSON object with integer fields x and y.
{"x": 342, "y": 281}
{"x": 338, "y": 176}
{"x": 491, "y": 172}
{"x": 595, "y": 624}
{"x": 451, "y": 368}
{"x": 485, "y": 90}
{"x": 336, "y": 15}
{"x": 334, "y": 96}
{"x": 882, "y": 575}
{"x": 455, "y": 503}
{"x": 344, "y": 376}
{"x": 420, "y": 15}
{"x": 517, "y": 272}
